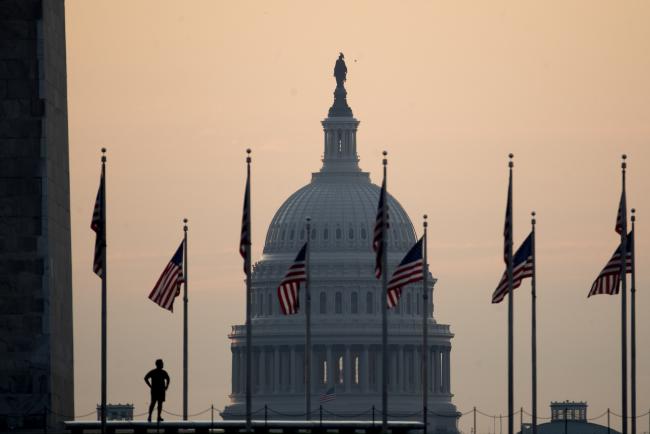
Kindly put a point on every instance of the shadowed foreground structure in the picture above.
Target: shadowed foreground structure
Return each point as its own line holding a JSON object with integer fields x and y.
{"x": 36, "y": 370}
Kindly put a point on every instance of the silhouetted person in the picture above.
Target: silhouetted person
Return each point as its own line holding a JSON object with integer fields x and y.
{"x": 340, "y": 71}
{"x": 158, "y": 381}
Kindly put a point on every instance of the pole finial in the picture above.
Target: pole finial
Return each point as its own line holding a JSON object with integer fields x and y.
{"x": 510, "y": 157}
{"x": 624, "y": 162}
{"x": 185, "y": 224}
{"x": 533, "y": 220}
{"x": 385, "y": 160}
{"x": 103, "y": 155}
{"x": 633, "y": 211}
{"x": 248, "y": 155}
{"x": 425, "y": 223}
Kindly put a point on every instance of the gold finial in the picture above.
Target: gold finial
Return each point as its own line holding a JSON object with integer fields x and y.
{"x": 533, "y": 220}
{"x": 633, "y": 215}
{"x": 185, "y": 224}
{"x": 425, "y": 223}
{"x": 384, "y": 161}
{"x": 103, "y": 155}
{"x": 624, "y": 162}
{"x": 248, "y": 155}
{"x": 510, "y": 163}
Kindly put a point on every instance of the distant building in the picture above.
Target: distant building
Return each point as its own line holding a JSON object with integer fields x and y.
{"x": 568, "y": 417}
{"x": 346, "y": 303}
{"x": 116, "y": 412}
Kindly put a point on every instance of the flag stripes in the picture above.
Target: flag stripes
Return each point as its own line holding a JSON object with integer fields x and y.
{"x": 244, "y": 240}
{"x": 523, "y": 261}
{"x": 328, "y": 395}
{"x": 168, "y": 286}
{"x": 609, "y": 279}
{"x": 288, "y": 289}
{"x": 98, "y": 225}
{"x": 410, "y": 270}
{"x": 380, "y": 230}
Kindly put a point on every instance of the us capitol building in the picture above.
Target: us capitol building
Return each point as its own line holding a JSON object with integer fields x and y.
{"x": 346, "y": 301}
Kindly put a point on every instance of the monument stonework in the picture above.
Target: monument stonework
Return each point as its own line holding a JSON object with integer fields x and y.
{"x": 345, "y": 301}
{"x": 36, "y": 357}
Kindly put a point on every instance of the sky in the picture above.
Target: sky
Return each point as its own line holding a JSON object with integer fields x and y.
{"x": 178, "y": 90}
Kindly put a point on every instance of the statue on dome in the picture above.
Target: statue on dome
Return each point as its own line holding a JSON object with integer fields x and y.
{"x": 340, "y": 71}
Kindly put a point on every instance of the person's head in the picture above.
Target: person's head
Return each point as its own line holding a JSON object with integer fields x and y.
{"x": 341, "y": 55}
{"x": 159, "y": 364}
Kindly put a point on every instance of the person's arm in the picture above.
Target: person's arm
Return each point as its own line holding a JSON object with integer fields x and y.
{"x": 147, "y": 379}
{"x": 167, "y": 380}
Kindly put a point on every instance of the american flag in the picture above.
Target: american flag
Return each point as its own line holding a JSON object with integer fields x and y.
{"x": 98, "y": 225}
{"x": 507, "y": 227}
{"x": 328, "y": 395}
{"x": 609, "y": 279}
{"x": 245, "y": 239}
{"x": 380, "y": 229}
{"x": 620, "y": 216}
{"x": 410, "y": 270}
{"x": 288, "y": 289}
{"x": 168, "y": 286}
{"x": 523, "y": 262}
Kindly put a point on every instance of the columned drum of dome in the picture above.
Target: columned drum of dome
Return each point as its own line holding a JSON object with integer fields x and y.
{"x": 346, "y": 298}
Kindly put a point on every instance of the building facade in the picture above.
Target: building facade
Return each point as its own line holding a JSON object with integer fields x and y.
{"x": 570, "y": 417}
{"x": 36, "y": 359}
{"x": 341, "y": 202}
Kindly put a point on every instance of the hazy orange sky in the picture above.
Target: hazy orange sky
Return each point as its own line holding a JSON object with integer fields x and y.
{"x": 178, "y": 90}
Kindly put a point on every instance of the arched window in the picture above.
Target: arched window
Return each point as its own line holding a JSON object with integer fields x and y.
{"x": 338, "y": 303}
{"x": 369, "y": 303}
{"x": 363, "y": 233}
{"x": 325, "y": 234}
{"x": 313, "y": 234}
{"x": 340, "y": 370}
{"x": 338, "y": 233}
{"x": 323, "y": 303}
{"x": 351, "y": 234}
{"x": 356, "y": 369}
{"x": 292, "y": 234}
{"x": 302, "y": 235}
{"x": 354, "y": 303}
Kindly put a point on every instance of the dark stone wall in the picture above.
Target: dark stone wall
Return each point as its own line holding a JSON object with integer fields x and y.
{"x": 36, "y": 364}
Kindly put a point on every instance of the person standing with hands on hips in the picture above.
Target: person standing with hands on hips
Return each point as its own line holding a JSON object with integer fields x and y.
{"x": 158, "y": 381}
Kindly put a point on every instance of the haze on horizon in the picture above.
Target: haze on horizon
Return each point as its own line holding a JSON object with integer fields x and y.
{"x": 178, "y": 92}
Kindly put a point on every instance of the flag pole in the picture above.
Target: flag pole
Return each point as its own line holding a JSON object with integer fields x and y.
{"x": 534, "y": 328}
{"x": 633, "y": 326}
{"x": 247, "y": 265}
{"x": 185, "y": 318}
{"x": 425, "y": 328}
{"x": 104, "y": 287}
{"x": 624, "y": 302}
{"x": 384, "y": 306}
{"x": 307, "y": 329}
{"x": 510, "y": 308}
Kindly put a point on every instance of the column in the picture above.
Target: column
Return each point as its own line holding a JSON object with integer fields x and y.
{"x": 417, "y": 370}
{"x": 292, "y": 369}
{"x": 437, "y": 385}
{"x": 347, "y": 366}
{"x": 261, "y": 365}
{"x": 447, "y": 365}
{"x": 276, "y": 369}
{"x": 330, "y": 366}
{"x": 364, "y": 369}
{"x": 400, "y": 369}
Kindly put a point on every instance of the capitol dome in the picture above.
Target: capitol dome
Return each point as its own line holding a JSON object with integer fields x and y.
{"x": 346, "y": 303}
{"x": 342, "y": 208}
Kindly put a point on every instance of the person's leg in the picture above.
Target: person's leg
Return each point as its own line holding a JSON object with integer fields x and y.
{"x": 160, "y": 410}
{"x": 151, "y": 409}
